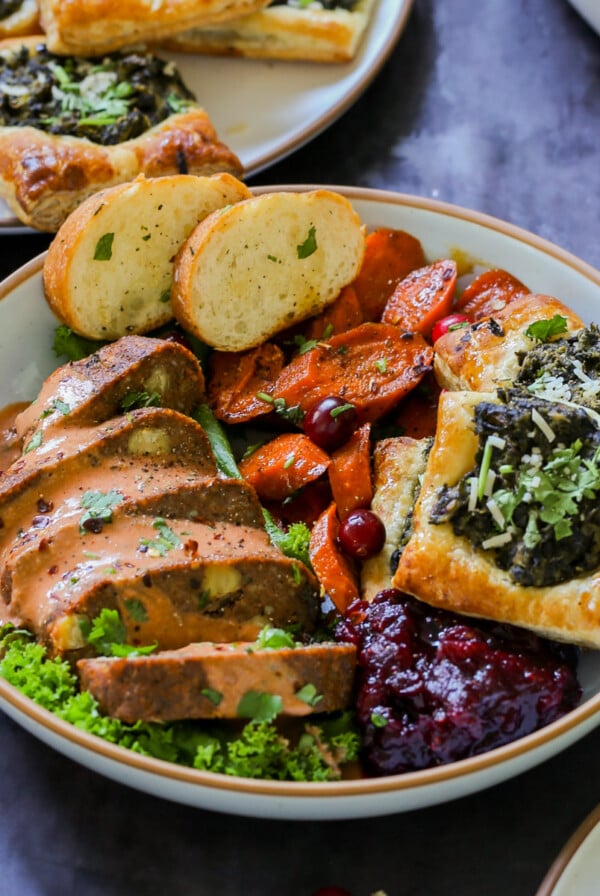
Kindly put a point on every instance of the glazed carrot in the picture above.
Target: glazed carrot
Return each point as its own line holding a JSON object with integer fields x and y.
{"x": 282, "y": 466}
{"x": 417, "y": 413}
{"x": 350, "y": 472}
{"x": 344, "y": 314}
{"x": 236, "y": 380}
{"x": 372, "y": 367}
{"x": 489, "y": 293}
{"x": 333, "y": 569}
{"x": 389, "y": 256}
{"x": 422, "y": 298}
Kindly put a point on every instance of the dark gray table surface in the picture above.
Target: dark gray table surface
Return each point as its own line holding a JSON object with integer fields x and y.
{"x": 495, "y": 106}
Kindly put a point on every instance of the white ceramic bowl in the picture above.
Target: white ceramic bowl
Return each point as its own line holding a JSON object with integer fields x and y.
{"x": 26, "y": 327}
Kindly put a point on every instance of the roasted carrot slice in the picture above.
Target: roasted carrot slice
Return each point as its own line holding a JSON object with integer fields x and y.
{"x": 344, "y": 314}
{"x": 489, "y": 293}
{"x": 282, "y": 466}
{"x": 350, "y": 472}
{"x": 389, "y": 256}
{"x": 422, "y": 298}
{"x": 417, "y": 413}
{"x": 333, "y": 569}
{"x": 372, "y": 367}
{"x": 236, "y": 380}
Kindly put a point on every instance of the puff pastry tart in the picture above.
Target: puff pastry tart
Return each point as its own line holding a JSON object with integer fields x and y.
{"x": 320, "y": 31}
{"x": 488, "y": 354}
{"x": 18, "y": 17}
{"x": 93, "y": 27}
{"x": 70, "y": 126}
{"x": 507, "y": 523}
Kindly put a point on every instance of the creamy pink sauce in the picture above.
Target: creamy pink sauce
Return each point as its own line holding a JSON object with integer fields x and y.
{"x": 10, "y": 445}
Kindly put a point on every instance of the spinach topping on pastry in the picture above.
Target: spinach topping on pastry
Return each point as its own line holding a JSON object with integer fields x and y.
{"x": 107, "y": 100}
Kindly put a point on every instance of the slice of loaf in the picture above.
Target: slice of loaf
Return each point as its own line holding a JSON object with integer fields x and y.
{"x": 209, "y": 681}
{"x": 108, "y": 271}
{"x": 257, "y": 267}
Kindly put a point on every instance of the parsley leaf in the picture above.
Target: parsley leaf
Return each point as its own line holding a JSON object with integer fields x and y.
{"x": 544, "y": 330}
{"x": 259, "y": 706}
{"x": 308, "y": 694}
{"x": 140, "y": 400}
{"x": 107, "y": 634}
{"x": 309, "y": 246}
{"x": 164, "y": 542}
{"x": 68, "y": 344}
{"x": 103, "y": 250}
{"x": 274, "y": 639}
{"x": 98, "y": 506}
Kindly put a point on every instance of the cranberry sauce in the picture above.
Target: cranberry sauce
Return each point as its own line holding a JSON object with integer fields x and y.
{"x": 434, "y": 688}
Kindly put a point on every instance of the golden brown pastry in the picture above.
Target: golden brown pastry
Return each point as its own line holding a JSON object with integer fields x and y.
{"x": 397, "y": 465}
{"x": 22, "y": 18}
{"x": 485, "y": 355}
{"x": 284, "y": 31}
{"x": 104, "y": 124}
{"x": 483, "y": 558}
{"x": 93, "y": 27}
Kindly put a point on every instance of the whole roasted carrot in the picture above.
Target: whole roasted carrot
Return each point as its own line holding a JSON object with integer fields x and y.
{"x": 333, "y": 569}
{"x": 350, "y": 472}
{"x": 489, "y": 293}
{"x": 389, "y": 256}
{"x": 236, "y": 380}
{"x": 371, "y": 367}
{"x": 282, "y": 466}
{"x": 422, "y": 297}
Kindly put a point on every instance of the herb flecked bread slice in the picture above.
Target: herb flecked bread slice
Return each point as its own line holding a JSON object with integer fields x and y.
{"x": 255, "y": 268}
{"x": 109, "y": 268}
{"x": 284, "y": 31}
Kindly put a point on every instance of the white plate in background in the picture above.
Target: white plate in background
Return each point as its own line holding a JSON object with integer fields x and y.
{"x": 263, "y": 110}
{"x": 26, "y": 328}
{"x": 576, "y": 870}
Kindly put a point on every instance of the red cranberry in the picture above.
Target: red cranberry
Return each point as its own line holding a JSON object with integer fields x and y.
{"x": 446, "y": 324}
{"x": 330, "y": 422}
{"x": 362, "y": 534}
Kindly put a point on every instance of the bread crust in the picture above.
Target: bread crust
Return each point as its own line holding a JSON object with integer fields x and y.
{"x": 24, "y": 21}
{"x": 485, "y": 356}
{"x": 282, "y": 32}
{"x": 446, "y": 570}
{"x": 93, "y": 27}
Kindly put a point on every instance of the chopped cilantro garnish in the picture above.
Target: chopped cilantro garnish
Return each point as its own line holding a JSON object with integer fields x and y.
{"x": 341, "y": 409}
{"x": 107, "y": 634}
{"x": 378, "y": 720}
{"x": 103, "y": 250}
{"x": 98, "y": 506}
{"x": 274, "y": 639}
{"x": 215, "y": 697}
{"x": 309, "y": 246}
{"x": 140, "y": 400}
{"x": 165, "y": 541}
{"x": 308, "y": 694}
{"x": 259, "y": 706}
{"x": 34, "y": 442}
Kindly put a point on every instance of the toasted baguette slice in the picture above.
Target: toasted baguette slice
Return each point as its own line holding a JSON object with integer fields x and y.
{"x": 108, "y": 271}
{"x": 282, "y": 32}
{"x": 208, "y": 681}
{"x": 260, "y": 266}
